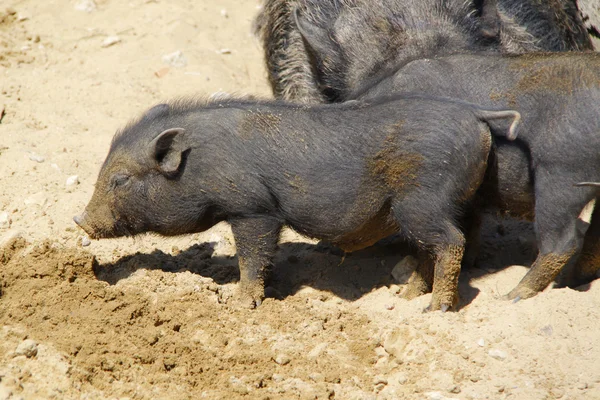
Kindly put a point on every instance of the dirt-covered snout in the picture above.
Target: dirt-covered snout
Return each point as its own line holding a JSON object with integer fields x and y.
{"x": 135, "y": 184}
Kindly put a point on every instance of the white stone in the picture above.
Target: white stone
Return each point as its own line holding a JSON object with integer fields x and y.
{"x": 72, "y": 180}
{"x": 36, "y": 158}
{"x": 110, "y": 40}
{"x": 481, "y": 342}
{"x": 175, "y": 59}
{"x": 85, "y": 241}
{"x": 27, "y": 348}
{"x": 5, "y": 220}
{"x": 282, "y": 359}
{"x": 39, "y": 199}
{"x": 317, "y": 350}
{"x": 404, "y": 269}
{"x": 497, "y": 354}
{"x": 85, "y": 5}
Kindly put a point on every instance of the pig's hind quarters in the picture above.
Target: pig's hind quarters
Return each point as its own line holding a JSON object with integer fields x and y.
{"x": 427, "y": 217}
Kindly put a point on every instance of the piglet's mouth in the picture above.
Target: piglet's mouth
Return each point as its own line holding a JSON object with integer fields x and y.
{"x": 106, "y": 230}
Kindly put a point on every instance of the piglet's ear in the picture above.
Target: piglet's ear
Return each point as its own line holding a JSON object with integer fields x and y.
{"x": 317, "y": 39}
{"x": 167, "y": 150}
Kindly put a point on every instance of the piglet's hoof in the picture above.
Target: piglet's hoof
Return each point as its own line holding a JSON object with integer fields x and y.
{"x": 442, "y": 307}
{"x": 412, "y": 291}
{"x": 442, "y": 303}
{"x": 414, "y": 288}
{"x": 250, "y": 296}
{"x": 242, "y": 300}
{"x": 519, "y": 294}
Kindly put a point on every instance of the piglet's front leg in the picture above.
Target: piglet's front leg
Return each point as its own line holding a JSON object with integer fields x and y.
{"x": 256, "y": 242}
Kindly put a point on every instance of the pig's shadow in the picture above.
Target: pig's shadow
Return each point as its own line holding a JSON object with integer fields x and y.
{"x": 319, "y": 266}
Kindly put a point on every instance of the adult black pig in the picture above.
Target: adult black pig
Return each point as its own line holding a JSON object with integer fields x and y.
{"x": 349, "y": 174}
{"x": 367, "y": 36}
{"x": 559, "y": 143}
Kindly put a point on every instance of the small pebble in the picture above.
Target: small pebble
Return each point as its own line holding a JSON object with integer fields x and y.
{"x": 404, "y": 268}
{"x": 37, "y": 199}
{"x": 481, "y": 342}
{"x": 28, "y": 348}
{"x": 85, "y": 241}
{"x": 238, "y": 386}
{"x": 497, "y": 354}
{"x": 225, "y": 51}
{"x": 72, "y": 180}
{"x": 455, "y": 389}
{"x": 389, "y": 307}
{"x": 213, "y": 287}
{"x": 161, "y": 72}
{"x": 5, "y": 220}
{"x": 282, "y": 359}
{"x": 86, "y": 5}
{"x": 175, "y": 59}
{"x": 109, "y": 41}
{"x": 380, "y": 380}
{"x": 436, "y": 396}
{"x": 224, "y": 13}
{"x": 36, "y": 158}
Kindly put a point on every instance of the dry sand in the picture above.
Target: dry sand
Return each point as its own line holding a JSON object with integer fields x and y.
{"x": 150, "y": 318}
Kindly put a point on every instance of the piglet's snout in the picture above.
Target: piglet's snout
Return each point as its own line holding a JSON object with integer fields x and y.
{"x": 79, "y": 219}
{"x": 82, "y": 221}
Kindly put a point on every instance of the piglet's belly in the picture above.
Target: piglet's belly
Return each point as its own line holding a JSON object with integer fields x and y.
{"x": 368, "y": 233}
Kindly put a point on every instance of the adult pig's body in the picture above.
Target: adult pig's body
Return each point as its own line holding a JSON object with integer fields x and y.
{"x": 559, "y": 142}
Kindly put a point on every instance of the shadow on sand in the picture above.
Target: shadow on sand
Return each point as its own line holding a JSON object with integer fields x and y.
{"x": 325, "y": 267}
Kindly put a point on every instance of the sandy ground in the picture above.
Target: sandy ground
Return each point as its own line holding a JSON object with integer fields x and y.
{"x": 150, "y": 318}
